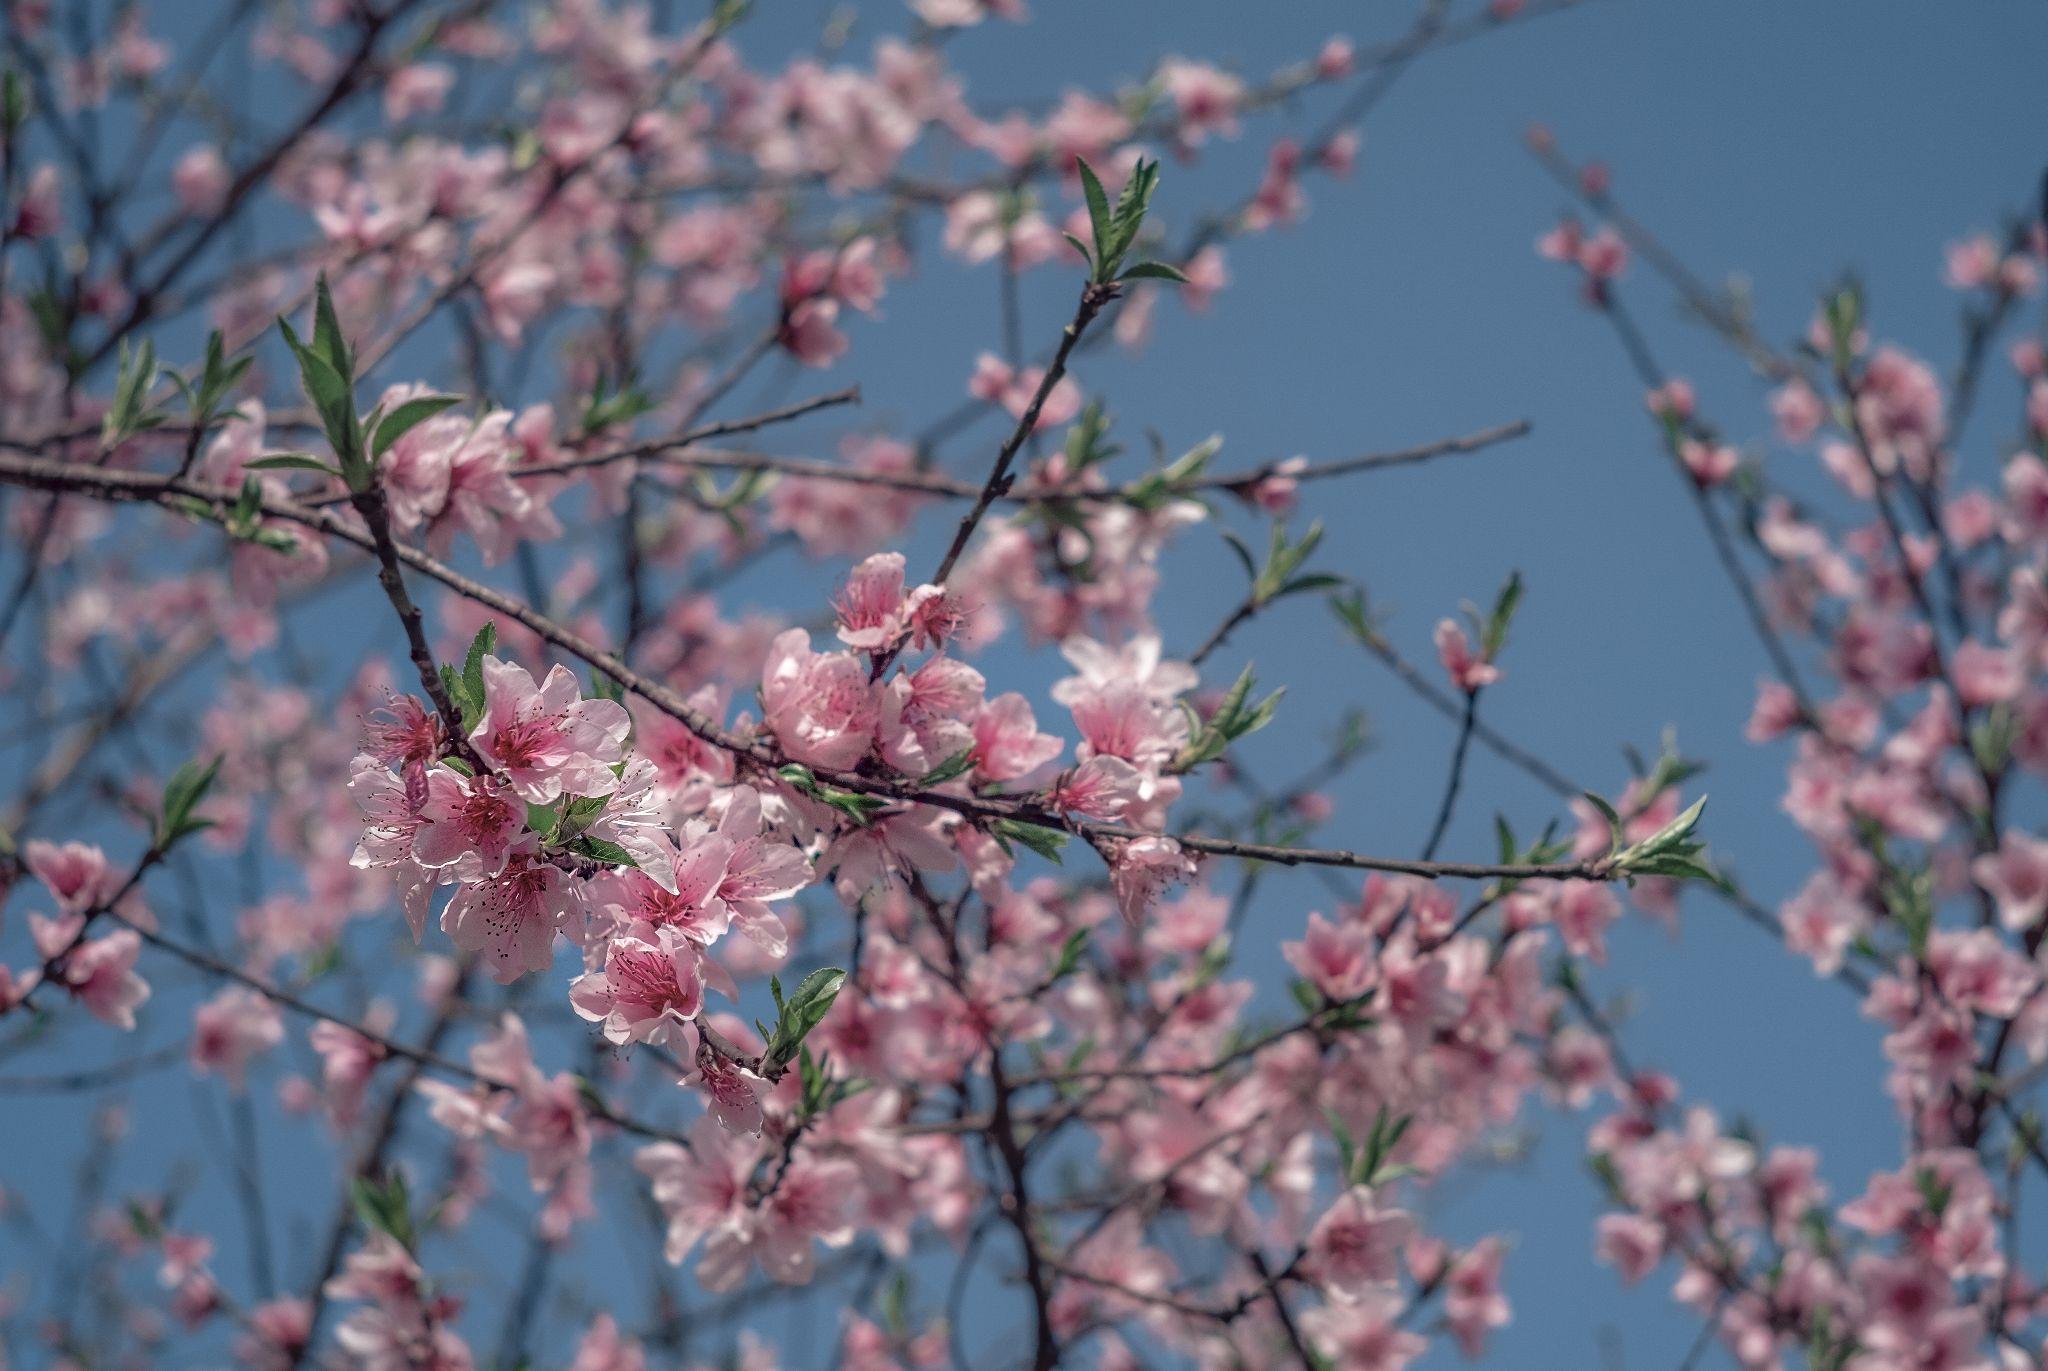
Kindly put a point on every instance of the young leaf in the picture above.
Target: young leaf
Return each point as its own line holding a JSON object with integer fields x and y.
{"x": 182, "y": 793}
{"x": 293, "y": 461}
{"x": 481, "y": 646}
{"x": 602, "y": 850}
{"x": 803, "y": 1011}
{"x": 959, "y": 764}
{"x": 1154, "y": 271}
{"x": 1098, "y": 214}
{"x": 1046, "y": 842}
{"x": 407, "y": 417}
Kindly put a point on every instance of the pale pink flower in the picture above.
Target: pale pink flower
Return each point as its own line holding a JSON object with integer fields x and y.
{"x": 734, "y": 1090}
{"x": 231, "y": 1030}
{"x": 874, "y": 612}
{"x": 1142, "y": 869}
{"x": 1007, "y": 743}
{"x": 648, "y": 988}
{"x": 100, "y": 974}
{"x": 997, "y": 382}
{"x": 201, "y": 181}
{"x": 1100, "y": 788}
{"x": 512, "y": 918}
{"x": 604, "y": 1348}
{"x": 821, "y": 705}
{"x": 1709, "y": 463}
{"x": 76, "y": 874}
{"x": 1364, "y": 1334}
{"x": 1206, "y": 99}
{"x": 1467, "y": 671}
{"x": 1337, "y": 959}
{"x": 1356, "y": 1245}
{"x": 2016, "y": 875}
{"x": 1631, "y": 1243}
{"x": 547, "y": 740}
{"x": 1473, "y": 1302}
{"x": 467, "y": 825}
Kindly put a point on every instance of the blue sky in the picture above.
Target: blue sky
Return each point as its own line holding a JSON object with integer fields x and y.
{"x": 1783, "y": 142}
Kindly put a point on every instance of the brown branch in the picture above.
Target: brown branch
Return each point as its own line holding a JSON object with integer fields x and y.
{"x": 212, "y": 504}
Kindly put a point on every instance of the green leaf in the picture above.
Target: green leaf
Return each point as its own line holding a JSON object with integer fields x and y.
{"x": 1154, "y": 271}
{"x": 602, "y": 850}
{"x": 860, "y": 808}
{"x": 406, "y": 418}
{"x": 385, "y": 1207}
{"x": 1070, "y": 955}
{"x": 1496, "y": 633}
{"x": 1613, "y": 819}
{"x": 579, "y": 813}
{"x": 293, "y": 461}
{"x": 327, "y": 337}
{"x": 959, "y": 764}
{"x": 1081, "y": 248}
{"x": 334, "y": 401}
{"x": 1046, "y": 842}
{"x": 803, "y": 1011}
{"x": 1129, "y": 214}
{"x": 481, "y": 646}
{"x": 182, "y": 793}
{"x": 1098, "y": 214}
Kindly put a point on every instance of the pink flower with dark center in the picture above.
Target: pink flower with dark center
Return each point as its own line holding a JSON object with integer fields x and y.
{"x": 512, "y": 918}
{"x": 648, "y": 989}
{"x": 467, "y": 825}
{"x": 231, "y": 1029}
{"x": 693, "y": 908}
{"x": 734, "y": 1090}
{"x": 821, "y": 705}
{"x": 547, "y": 740}
{"x": 406, "y": 736}
{"x": 101, "y": 975}
{"x": 870, "y": 606}
{"x": 1141, "y": 871}
{"x": 1468, "y": 671}
{"x": 1100, "y": 788}
{"x": 2016, "y": 876}
{"x": 1356, "y": 1246}
{"x": 76, "y": 874}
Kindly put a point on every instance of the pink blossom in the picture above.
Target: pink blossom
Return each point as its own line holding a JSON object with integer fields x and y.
{"x": 231, "y": 1029}
{"x": 1632, "y": 1243}
{"x": 649, "y": 986}
{"x": 1337, "y": 959}
{"x": 1356, "y": 1245}
{"x": 1467, "y": 671}
{"x": 512, "y": 918}
{"x": 468, "y": 825}
{"x": 821, "y": 705}
{"x": 997, "y": 382}
{"x": 1007, "y": 743}
{"x": 1206, "y": 99}
{"x": 201, "y": 180}
{"x": 547, "y": 740}
{"x": 1709, "y": 463}
{"x": 76, "y": 874}
{"x": 2016, "y": 876}
{"x": 1473, "y": 1302}
{"x": 100, "y": 974}
{"x": 1142, "y": 869}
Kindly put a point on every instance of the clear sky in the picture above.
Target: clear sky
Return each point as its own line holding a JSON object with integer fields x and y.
{"x": 1782, "y": 142}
